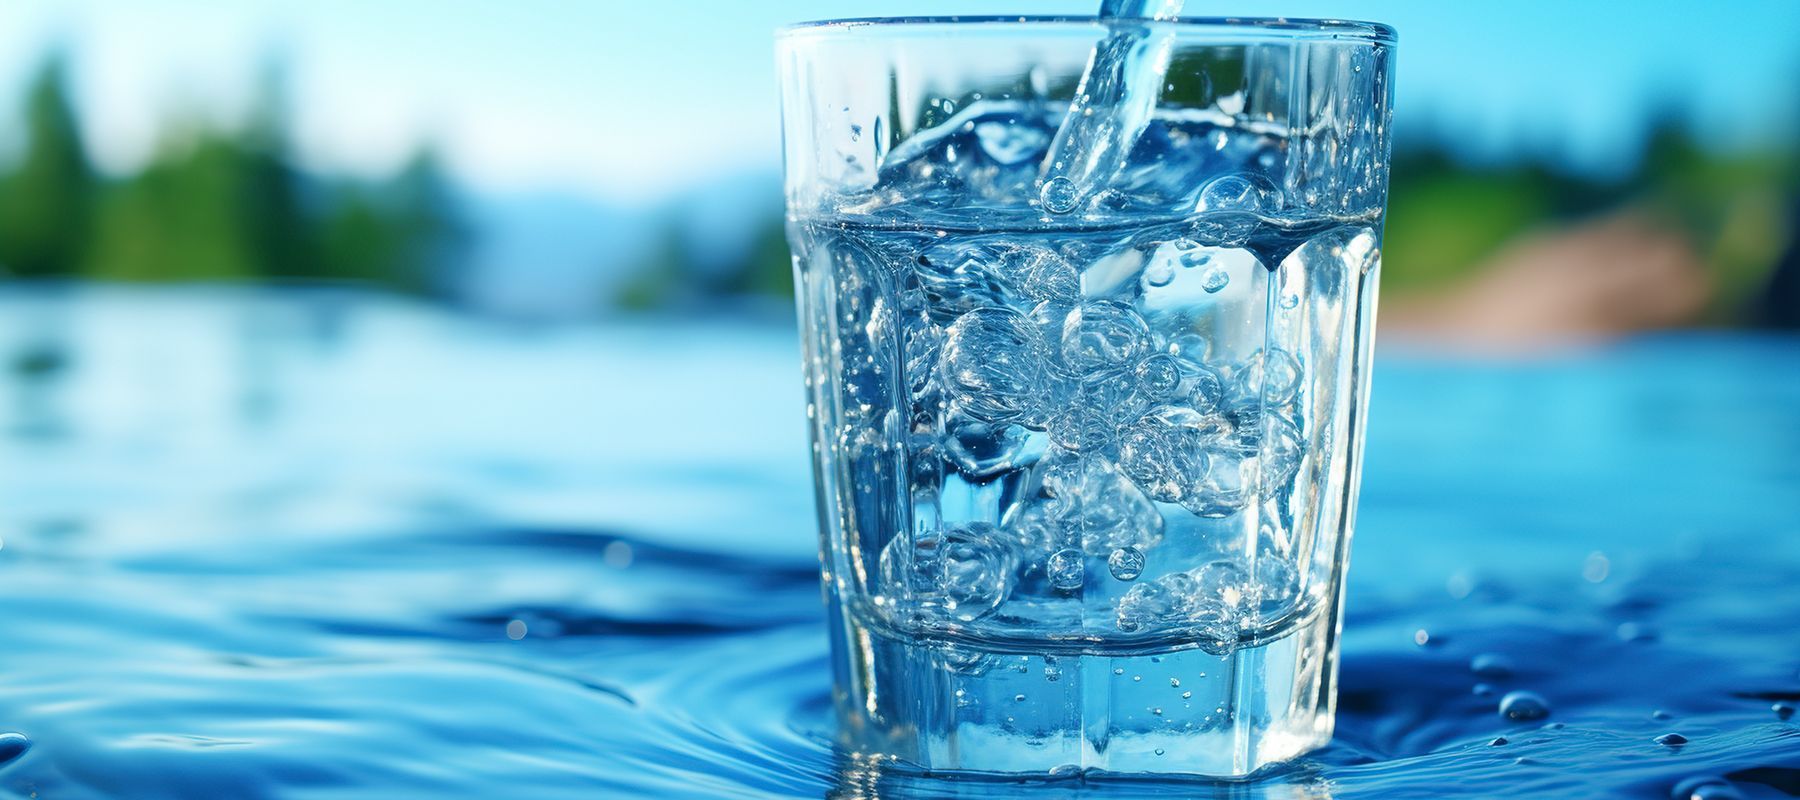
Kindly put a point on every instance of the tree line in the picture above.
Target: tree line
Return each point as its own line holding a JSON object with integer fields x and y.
{"x": 216, "y": 203}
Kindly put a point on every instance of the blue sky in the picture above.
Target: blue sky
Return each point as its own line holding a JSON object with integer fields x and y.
{"x": 632, "y": 101}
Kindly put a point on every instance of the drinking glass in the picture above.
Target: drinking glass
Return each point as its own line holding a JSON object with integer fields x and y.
{"x": 1086, "y": 462}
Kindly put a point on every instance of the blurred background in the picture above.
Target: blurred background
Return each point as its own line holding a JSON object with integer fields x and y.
{"x": 1562, "y": 172}
{"x": 402, "y": 398}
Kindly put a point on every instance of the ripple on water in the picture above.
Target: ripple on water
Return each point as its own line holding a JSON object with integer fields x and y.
{"x": 147, "y": 645}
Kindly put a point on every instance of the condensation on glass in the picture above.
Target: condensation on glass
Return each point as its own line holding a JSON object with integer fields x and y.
{"x": 1086, "y": 480}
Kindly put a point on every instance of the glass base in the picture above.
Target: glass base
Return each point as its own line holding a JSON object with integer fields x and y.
{"x": 950, "y": 707}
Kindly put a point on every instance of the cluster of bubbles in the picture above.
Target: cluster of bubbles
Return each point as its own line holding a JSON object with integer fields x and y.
{"x": 1213, "y": 601}
{"x": 1096, "y": 418}
{"x": 1025, "y": 381}
{"x": 961, "y": 572}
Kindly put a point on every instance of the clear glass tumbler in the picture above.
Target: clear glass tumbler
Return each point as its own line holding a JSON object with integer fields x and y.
{"x": 1086, "y": 479}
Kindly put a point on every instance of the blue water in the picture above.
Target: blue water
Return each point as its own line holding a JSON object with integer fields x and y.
{"x": 312, "y": 545}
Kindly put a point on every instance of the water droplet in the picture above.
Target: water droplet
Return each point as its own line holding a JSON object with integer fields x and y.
{"x": 1126, "y": 563}
{"x": 1661, "y": 714}
{"x": 13, "y": 745}
{"x": 1290, "y": 300}
{"x": 1059, "y": 195}
{"x": 1497, "y": 742}
{"x": 1066, "y": 570}
{"x": 1215, "y": 280}
{"x": 855, "y": 133}
{"x": 1175, "y": 682}
{"x": 1483, "y": 690}
{"x": 1492, "y": 666}
{"x": 1421, "y": 637}
{"x": 1187, "y": 695}
{"x": 1636, "y": 632}
{"x": 1156, "y": 711}
{"x": 1705, "y": 787}
{"x": 1523, "y": 706}
{"x": 1118, "y": 670}
{"x": 1783, "y": 710}
{"x": 1671, "y": 740}
{"x": 1159, "y": 751}
{"x": 1018, "y": 698}
{"x": 515, "y": 629}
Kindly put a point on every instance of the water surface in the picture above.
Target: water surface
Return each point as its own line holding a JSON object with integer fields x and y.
{"x": 313, "y": 545}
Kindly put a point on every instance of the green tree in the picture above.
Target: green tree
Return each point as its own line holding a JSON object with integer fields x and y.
{"x": 46, "y": 201}
{"x": 405, "y": 233}
{"x": 280, "y": 230}
{"x": 182, "y": 218}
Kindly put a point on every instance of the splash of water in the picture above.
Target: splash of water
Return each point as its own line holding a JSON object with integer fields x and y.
{"x": 1113, "y": 103}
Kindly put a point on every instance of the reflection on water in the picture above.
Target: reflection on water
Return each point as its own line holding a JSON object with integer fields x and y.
{"x": 301, "y": 544}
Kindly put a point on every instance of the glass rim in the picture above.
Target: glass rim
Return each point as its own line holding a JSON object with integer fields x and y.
{"x": 1257, "y": 27}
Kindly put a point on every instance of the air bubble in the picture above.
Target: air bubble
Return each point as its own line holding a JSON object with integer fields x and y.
{"x": 965, "y": 571}
{"x": 1159, "y": 274}
{"x": 1066, "y": 569}
{"x": 1159, "y": 376}
{"x": 1103, "y": 335}
{"x": 1059, "y": 195}
{"x": 1215, "y": 280}
{"x": 1126, "y": 563}
{"x": 990, "y": 361}
{"x": 1246, "y": 193}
